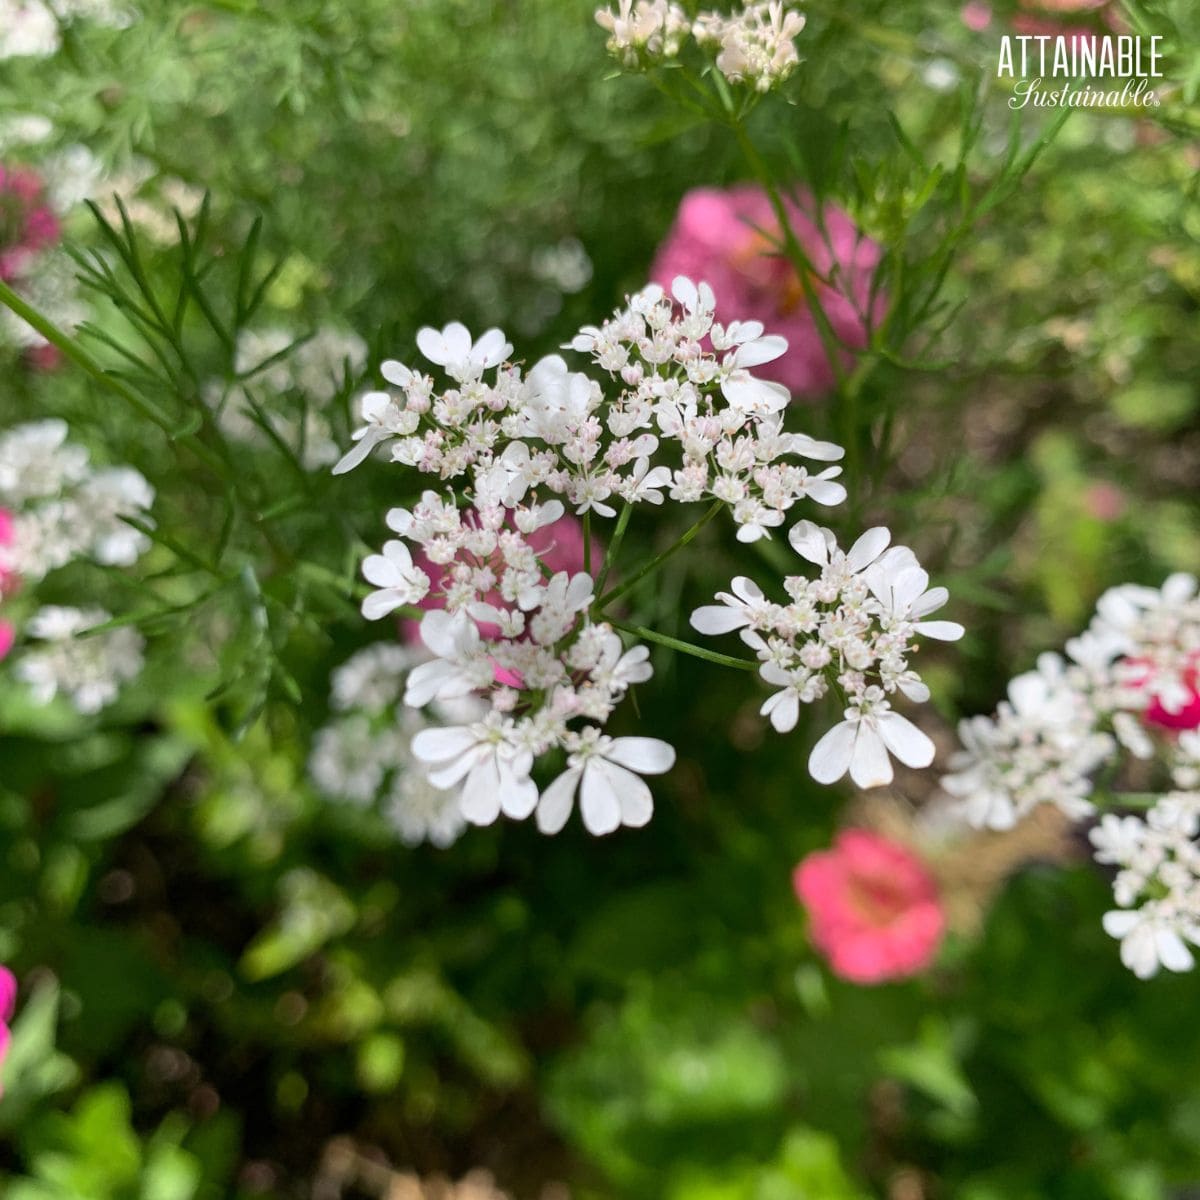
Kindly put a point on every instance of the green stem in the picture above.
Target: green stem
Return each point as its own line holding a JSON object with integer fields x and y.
{"x": 661, "y": 639}
{"x": 656, "y": 562}
{"x": 81, "y": 358}
{"x": 614, "y": 546}
{"x": 587, "y": 542}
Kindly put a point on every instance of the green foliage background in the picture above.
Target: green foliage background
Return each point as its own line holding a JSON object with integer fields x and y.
{"x": 224, "y": 973}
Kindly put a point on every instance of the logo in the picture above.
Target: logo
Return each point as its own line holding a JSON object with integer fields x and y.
{"x": 1074, "y": 63}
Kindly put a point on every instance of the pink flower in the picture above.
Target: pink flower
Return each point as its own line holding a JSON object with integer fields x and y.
{"x": 976, "y": 15}
{"x": 729, "y": 239}
{"x": 8, "y": 1003}
{"x": 1187, "y": 715}
{"x": 7, "y": 636}
{"x": 1105, "y": 501}
{"x": 27, "y": 223}
{"x": 44, "y": 357}
{"x": 8, "y": 536}
{"x": 873, "y": 907}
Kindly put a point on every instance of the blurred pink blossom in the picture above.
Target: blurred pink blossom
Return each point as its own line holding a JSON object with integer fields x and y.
{"x": 8, "y": 580}
{"x": 27, "y": 223}
{"x": 1186, "y": 716}
{"x": 873, "y": 906}
{"x": 976, "y": 15}
{"x": 8, "y": 1004}
{"x": 1104, "y": 501}
{"x": 730, "y": 238}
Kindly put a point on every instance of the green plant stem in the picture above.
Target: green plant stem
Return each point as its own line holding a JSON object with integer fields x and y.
{"x": 81, "y": 358}
{"x": 614, "y": 546}
{"x": 656, "y": 562}
{"x": 661, "y": 639}
{"x": 587, "y": 542}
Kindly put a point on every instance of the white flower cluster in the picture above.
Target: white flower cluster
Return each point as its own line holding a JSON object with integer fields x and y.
{"x": 560, "y": 432}
{"x": 1158, "y": 883}
{"x": 87, "y": 670}
{"x": 364, "y": 755}
{"x": 755, "y": 45}
{"x": 526, "y": 646}
{"x": 294, "y": 383}
{"x": 1128, "y": 683}
{"x": 641, "y": 32}
{"x": 62, "y": 506}
{"x": 853, "y": 627}
{"x": 33, "y": 28}
{"x": 673, "y": 418}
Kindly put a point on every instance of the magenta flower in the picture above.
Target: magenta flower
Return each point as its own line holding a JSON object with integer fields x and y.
{"x": 1184, "y": 710}
{"x": 8, "y": 1004}
{"x": 729, "y": 238}
{"x": 8, "y": 579}
{"x": 873, "y": 907}
{"x": 27, "y": 223}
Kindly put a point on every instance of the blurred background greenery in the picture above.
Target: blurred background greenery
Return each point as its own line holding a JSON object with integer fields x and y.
{"x": 233, "y": 988}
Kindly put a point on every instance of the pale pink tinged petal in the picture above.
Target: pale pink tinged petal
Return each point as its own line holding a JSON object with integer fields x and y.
{"x": 905, "y": 740}
{"x": 868, "y": 547}
{"x": 441, "y": 744}
{"x": 633, "y": 792}
{"x": 379, "y": 604}
{"x": 941, "y": 631}
{"x": 783, "y": 709}
{"x": 599, "y": 804}
{"x": 869, "y": 763}
{"x": 715, "y": 619}
{"x": 772, "y": 672}
{"x": 830, "y": 757}
{"x": 395, "y": 372}
{"x": 647, "y": 756}
{"x": 556, "y": 802}
{"x": 481, "y": 794}
{"x": 359, "y": 451}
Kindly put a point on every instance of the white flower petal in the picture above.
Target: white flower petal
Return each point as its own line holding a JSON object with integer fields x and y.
{"x": 556, "y": 802}
{"x": 905, "y": 740}
{"x": 646, "y": 755}
{"x": 830, "y": 757}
